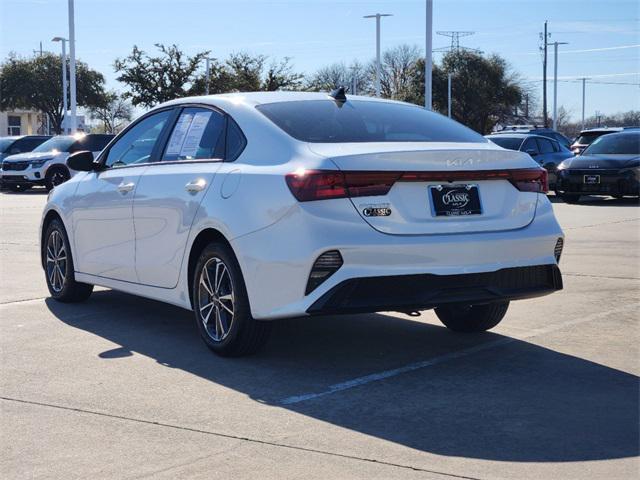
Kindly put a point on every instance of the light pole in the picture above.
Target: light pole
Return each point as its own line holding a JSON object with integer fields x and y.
{"x": 428, "y": 60}
{"x": 208, "y": 70}
{"x": 449, "y": 93}
{"x": 555, "y": 82}
{"x": 377, "y": 16}
{"x": 72, "y": 67}
{"x": 65, "y": 106}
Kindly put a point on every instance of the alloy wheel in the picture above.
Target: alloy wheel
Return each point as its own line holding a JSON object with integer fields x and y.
{"x": 56, "y": 261}
{"x": 215, "y": 299}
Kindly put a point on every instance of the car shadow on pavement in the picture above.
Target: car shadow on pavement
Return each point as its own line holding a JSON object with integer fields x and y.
{"x": 516, "y": 402}
{"x": 594, "y": 201}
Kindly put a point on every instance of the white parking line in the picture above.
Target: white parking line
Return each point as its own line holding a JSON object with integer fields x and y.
{"x": 375, "y": 377}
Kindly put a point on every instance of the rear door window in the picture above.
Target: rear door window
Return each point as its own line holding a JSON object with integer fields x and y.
{"x": 544, "y": 145}
{"x": 235, "y": 141}
{"x": 198, "y": 134}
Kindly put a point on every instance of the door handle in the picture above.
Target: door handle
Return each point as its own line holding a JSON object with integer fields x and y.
{"x": 126, "y": 187}
{"x": 196, "y": 186}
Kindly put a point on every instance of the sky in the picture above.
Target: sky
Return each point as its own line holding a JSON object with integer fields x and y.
{"x": 603, "y": 35}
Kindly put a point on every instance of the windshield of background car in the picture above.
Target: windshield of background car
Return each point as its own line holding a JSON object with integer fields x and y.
{"x": 588, "y": 137}
{"x": 326, "y": 121}
{"x": 624, "y": 144}
{"x": 5, "y": 143}
{"x": 510, "y": 143}
{"x": 59, "y": 144}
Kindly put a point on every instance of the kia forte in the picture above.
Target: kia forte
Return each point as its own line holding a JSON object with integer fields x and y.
{"x": 250, "y": 207}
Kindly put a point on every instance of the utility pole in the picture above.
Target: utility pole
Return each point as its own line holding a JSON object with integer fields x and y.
{"x": 428, "y": 57}
{"x": 65, "y": 104}
{"x": 555, "y": 82}
{"x": 449, "y": 75}
{"x": 544, "y": 77}
{"x": 378, "y": 16}
{"x": 72, "y": 66}
{"x": 584, "y": 81}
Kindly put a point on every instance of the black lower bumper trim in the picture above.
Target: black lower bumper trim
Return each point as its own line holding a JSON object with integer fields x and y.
{"x": 425, "y": 291}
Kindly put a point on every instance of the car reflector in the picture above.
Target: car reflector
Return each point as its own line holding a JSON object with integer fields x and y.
{"x": 324, "y": 266}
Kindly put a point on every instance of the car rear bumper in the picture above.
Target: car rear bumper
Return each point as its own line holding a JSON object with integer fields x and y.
{"x": 276, "y": 272}
{"x": 611, "y": 183}
{"x": 421, "y": 292}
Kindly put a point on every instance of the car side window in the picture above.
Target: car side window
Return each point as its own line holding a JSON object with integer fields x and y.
{"x": 198, "y": 134}
{"x": 530, "y": 146}
{"x": 235, "y": 141}
{"x": 545, "y": 145}
{"x": 136, "y": 145}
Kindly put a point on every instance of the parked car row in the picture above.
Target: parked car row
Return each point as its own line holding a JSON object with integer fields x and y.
{"x": 41, "y": 160}
{"x": 602, "y": 161}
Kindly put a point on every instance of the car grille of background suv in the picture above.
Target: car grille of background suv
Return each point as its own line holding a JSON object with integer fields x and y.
{"x": 14, "y": 166}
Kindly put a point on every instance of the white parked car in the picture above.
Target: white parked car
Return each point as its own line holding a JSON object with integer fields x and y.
{"x": 250, "y": 207}
{"x": 46, "y": 164}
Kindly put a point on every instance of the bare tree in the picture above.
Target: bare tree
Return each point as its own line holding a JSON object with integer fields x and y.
{"x": 115, "y": 114}
{"x": 397, "y": 72}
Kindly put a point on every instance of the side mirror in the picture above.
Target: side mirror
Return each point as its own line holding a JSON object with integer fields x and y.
{"x": 81, "y": 162}
{"x": 532, "y": 152}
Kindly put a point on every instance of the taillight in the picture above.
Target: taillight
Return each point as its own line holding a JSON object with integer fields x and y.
{"x": 308, "y": 185}
{"x": 530, "y": 180}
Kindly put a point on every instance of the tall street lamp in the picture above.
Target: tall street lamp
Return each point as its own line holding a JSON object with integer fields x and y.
{"x": 428, "y": 56}
{"x": 206, "y": 75}
{"x": 72, "y": 67}
{"x": 377, "y": 16}
{"x": 65, "y": 105}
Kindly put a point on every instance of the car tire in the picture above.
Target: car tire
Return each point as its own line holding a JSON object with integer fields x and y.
{"x": 570, "y": 197}
{"x": 472, "y": 318}
{"x": 58, "y": 266}
{"x": 55, "y": 176}
{"x": 221, "y": 305}
{"x": 19, "y": 187}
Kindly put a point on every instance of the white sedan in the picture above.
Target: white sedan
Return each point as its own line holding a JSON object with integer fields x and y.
{"x": 251, "y": 207}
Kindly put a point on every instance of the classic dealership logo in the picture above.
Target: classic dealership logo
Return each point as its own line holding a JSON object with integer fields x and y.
{"x": 456, "y": 198}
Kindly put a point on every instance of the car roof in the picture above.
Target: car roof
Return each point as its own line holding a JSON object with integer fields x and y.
{"x": 258, "y": 98}
{"x": 519, "y": 135}
{"x": 603, "y": 129}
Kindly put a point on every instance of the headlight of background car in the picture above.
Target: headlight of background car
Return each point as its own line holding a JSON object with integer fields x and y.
{"x": 562, "y": 166}
{"x": 38, "y": 163}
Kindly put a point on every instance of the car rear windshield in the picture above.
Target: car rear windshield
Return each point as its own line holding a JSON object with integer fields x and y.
{"x": 587, "y": 137}
{"x": 510, "y": 143}
{"x": 60, "y": 144}
{"x": 326, "y": 121}
{"x": 622, "y": 144}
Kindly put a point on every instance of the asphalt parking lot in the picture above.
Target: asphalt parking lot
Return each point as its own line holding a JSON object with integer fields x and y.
{"x": 122, "y": 387}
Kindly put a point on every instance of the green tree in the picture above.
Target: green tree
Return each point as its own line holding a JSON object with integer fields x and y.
{"x": 36, "y": 83}
{"x": 243, "y": 72}
{"x": 483, "y": 90}
{"x": 157, "y": 79}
